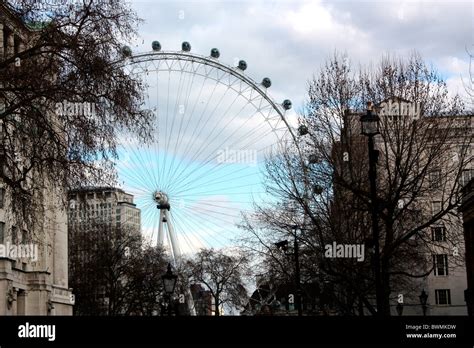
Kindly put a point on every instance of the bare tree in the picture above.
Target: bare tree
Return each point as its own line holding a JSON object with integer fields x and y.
{"x": 421, "y": 160}
{"x": 223, "y": 275}
{"x": 65, "y": 97}
{"x": 112, "y": 272}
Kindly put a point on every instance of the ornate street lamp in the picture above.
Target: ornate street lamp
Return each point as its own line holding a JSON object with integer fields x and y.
{"x": 283, "y": 245}
{"x": 423, "y": 299}
{"x": 169, "y": 283}
{"x": 369, "y": 124}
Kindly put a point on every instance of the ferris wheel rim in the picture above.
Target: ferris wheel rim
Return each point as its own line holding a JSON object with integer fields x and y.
{"x": 276, "y": 110}
{"x": 214, "y": 62}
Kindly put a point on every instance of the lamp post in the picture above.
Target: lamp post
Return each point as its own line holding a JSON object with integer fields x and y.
{"x": 370, "y": 127}
{"x": 283, "y": 245}
{"x": 399, "y": 308}
{"x": 297, "y": 275}
{"x": 423, "y": 299}
{"x": 169, "y": 283}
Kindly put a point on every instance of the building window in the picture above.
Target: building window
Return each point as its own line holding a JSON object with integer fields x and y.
{"x": 14, "y": 235}
{"x": 24, "y": 236}
{"x": 443, "y": 296}
{"x": 438, "y": 234}
{"x": 435, "y": 178}
{"x": 436, "y": 207}
{"x": 2, "y": 197}
{"x": 2, "y": 232}
{"x": 440, "y": 264}
{"x": 466, "y": 176}
{"x": 464, "y": 151}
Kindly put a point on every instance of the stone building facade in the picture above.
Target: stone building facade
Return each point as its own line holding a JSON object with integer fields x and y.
{"x": 467, "y": 209}
{"x": 36, "y": 283}
{"x": 446, "y": 283}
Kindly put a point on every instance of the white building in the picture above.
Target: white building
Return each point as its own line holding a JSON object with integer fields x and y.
{"x": 447, "y": 281}
{"x": 108, "y": 205}
{"x": 94, "y": 211}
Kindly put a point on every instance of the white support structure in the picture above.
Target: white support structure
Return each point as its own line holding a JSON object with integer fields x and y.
{"x": 163, "y": 204}
{"x": 160, "y": 228}
{"x": 172, "y": 236}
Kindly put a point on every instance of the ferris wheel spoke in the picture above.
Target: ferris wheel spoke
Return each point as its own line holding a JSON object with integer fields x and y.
{"x": 211, "y": 182}
{"x": 219, "y": 122}
{"x": 240, "y": 193}
{"x": 166, "y": 126}
{"x": 195, "y": 180}
{"x": 194, "y": 136}
{"x": 240, "y": 147}
{"x": 220, "y": 190}
{"x": 176, "y": 113}
{"x": 212, "y": 230}
{"x": 148, "y": 148}
{"x": 202, "y": 235}
{"x": 183, "y": 235}
{"x": 199, "y": 149}
{"x": 180, "y": 136}
{"x": 143, "y": 163}
{"x": 204, "y": 126}
{"x": 185, "y": 152}
{"x": 200, "y": 106}
{"x": 140, "y": 179}
{"x": 227, "y": 170}
{"x": 221, "y": 206}
{"x": 197, "y": 153}
{"x": 189, "y": 215}
{"x": 213, "y": 153}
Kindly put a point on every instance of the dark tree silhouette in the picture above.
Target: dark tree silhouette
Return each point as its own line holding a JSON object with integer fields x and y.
{"x": 64, "y": 98}
{"x": 421, "y": 160}
{"x": 113, "y": 272}
{"x": 222, "y": 274}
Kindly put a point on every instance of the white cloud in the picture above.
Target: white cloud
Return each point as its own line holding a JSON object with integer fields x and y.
{"x": 289, "y": 40}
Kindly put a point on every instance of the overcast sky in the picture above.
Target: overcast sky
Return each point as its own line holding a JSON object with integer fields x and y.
{"x": 289, "y": 40}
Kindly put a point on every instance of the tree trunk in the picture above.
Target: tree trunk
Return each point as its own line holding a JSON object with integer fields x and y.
{"x": 361, "y": 307}
{"x": 385, "y": 267}
{"x": 216, "y": 306}
{"x": 385, "y": 270}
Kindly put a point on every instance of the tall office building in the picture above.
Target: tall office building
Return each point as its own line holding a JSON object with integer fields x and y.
{"x": 103, "y": 221}
{"x": 107, "y": 205}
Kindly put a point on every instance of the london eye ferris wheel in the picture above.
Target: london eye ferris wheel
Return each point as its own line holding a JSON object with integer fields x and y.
{"x": 213, "y": 128}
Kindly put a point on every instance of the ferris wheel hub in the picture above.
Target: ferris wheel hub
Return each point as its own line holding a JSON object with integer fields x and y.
{"x": 161, "y": 200}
